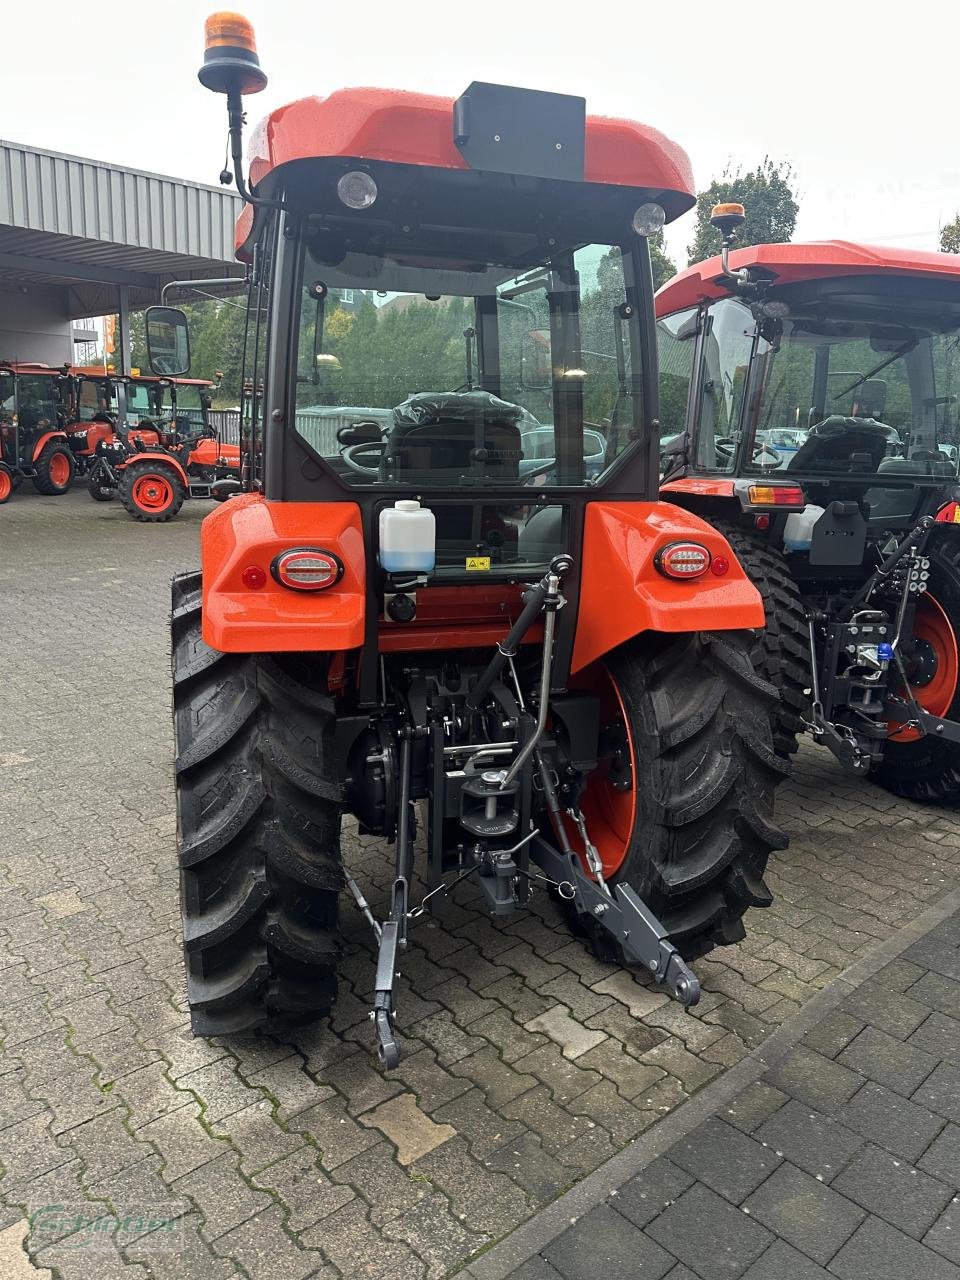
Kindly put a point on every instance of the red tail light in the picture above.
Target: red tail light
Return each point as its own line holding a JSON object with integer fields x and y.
{"x": 776, "y": 495}
{"x": 682, "y": 560}
{"x": 307, "y": 569}
{"x": 950, "y": 514}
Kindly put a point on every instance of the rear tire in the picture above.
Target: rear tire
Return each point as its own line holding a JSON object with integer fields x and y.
{"x": 703, "y": 772}
{"x": 928, "y": 769}
{"x": 6, "y": 483}
{"x": 55, "y": 469}
{"x": 259, "y": 811}
{"x": 151, "y": 492}
{"x": 781, "y": 651}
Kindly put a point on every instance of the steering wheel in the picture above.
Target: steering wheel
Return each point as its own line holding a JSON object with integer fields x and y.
{"x": 768, "y": 449}
{"x": 352, "y": 453}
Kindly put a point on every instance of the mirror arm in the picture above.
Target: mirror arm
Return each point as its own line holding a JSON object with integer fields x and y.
{"x": 235, "y": 122}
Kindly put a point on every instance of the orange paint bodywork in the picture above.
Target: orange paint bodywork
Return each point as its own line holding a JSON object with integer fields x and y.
{"x": 44, "y": 440}
{"x": 165, "y": 459}
{"x": 701, "y": 486}
{"x": 248, "y": 530}
{"x": 622, "y": 594}
{"x": 209, "y": 453}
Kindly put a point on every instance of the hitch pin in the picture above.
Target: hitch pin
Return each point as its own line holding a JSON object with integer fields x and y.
{"x": 590, "y": 849}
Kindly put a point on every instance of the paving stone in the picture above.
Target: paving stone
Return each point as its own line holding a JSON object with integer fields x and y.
{"x": 221, "y": 1195}
{"x": 484, "y": 1128}
{"x": 191, "y": 1260}
{"x": 894, "y": 1190}
{"x": 940, "y": 1092}
{"x": 29, "y": 1149}
{"x": 934, "y": 991}
{"x": 621, "y": 1119}
{"x": 833, "y": 1033}
{"x": 14, "y": 1263}
{"x": 106, "y": 1147}
{"x": 573, "y": 1037}
{"x": 304, "y": 1189}
{"x": 293, "y": 1089}
{"x": 748, "y": 1027}
{"x": 782, "y": 1262}
{"x": 815, "y": 1142}
{"x": 182, "y": 1141}
{"x": 525, "y": 1162}
{"x": 878, "y": 1251}
{"x": 263, "y": 1248}
{"x": 258, "y": 1138}
{"x": 648, "y": 1193}
{"x": 565, "y": 1079}
{"x": 535, "y": 1268}
{"x": 635, "y": 1036}
{"x": 699, "y": 1215}
{"x": 432, "y": 1084}
{"x": 220, "y": 1090}
{"x": 522, "y": 959}
{"x": 727, "y": 1160}
{"x": 672, "y": 1057}
{"x": 511, "y": 1040}
{"x": 890, "y": 1121}
{"x": 149, "y": 1094}
{"x": 629, "y": 1076}
{"x": 754, "y": 1105}
{"x": 815, "y": 1080}
{"x": 603, "y": 1242}
{"x": 450, "y": 1043}
{"x": 639, "y": 999}
{"x": 434, "y": 1233}
{"x": 944, "y": 1235}
{"x": 555, "y": 1125}
{"x": 411, "y": 1130}
{"x": 805, "y": 1212}
{"x": 942, "y": 1157}
{"x": 356, "y": 1248}
{"x": 897, "y": 1014}
{"x": 483, "y": 1199}
{"x": 930, "y": 953}
{"x": 464, "y": 1003}
{"x": 888, "y": 1061}
{"x": 939, "y": 1035}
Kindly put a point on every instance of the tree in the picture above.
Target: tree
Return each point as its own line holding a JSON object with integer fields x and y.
{"x": 663, "y": 266}
{"x": 768, "y": 198}
{"x": 950, "y": 236}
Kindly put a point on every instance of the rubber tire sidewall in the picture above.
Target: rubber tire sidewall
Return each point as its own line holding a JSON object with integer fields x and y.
{"x": 135, "y": 471}
{"x": 42, "y": 482}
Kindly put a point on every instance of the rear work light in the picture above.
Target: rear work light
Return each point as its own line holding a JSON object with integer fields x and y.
{"x": 682, "y": 560}
{"x": 307, "y": 569}
{"x": 776, "y": 495}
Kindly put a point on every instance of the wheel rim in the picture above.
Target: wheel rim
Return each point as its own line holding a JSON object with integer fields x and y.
{"x": 59, "y": 470}
{"x": 6, "y": 485}
{"x": 936, "y": 693}
{"x": 609, "y": 802}
{"x": 152, "y": 493}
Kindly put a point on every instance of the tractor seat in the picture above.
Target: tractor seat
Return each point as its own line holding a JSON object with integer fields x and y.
{"x": 924, "y": 462}
{"x": 832, "y": 444}
{"x": 451, "y": 436}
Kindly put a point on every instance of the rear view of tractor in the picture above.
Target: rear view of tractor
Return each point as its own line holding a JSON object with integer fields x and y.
{"x": 33, "y": 444}
{"x": 811, "y": 415}
{"x": 449, "y": 601}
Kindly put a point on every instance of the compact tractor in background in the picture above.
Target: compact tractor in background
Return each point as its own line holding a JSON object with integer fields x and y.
{"x": 810, "y": 396}
{"x": 149, "y": 438}
{"x": 552, "y": 661}
{"x": 33, "y": 444}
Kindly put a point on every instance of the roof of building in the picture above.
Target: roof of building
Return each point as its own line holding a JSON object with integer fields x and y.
{"x": 92, "y": 226}
{"x": 795, "y": 263}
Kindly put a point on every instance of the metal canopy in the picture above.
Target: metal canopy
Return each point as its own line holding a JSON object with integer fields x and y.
{"x": 90, "y": 227}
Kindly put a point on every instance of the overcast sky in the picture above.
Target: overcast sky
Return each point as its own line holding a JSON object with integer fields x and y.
{"x": 860, "y": 98}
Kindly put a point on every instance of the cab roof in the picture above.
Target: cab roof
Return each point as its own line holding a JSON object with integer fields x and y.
{"x": 798, "y": 263}
{"x": 413, "y": 128}
{"x": 93, "y": 371}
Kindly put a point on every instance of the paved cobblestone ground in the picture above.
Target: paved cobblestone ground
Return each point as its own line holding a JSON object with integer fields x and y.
{"x": 841, "y": 1163}
{"x": 527, "y": 1063}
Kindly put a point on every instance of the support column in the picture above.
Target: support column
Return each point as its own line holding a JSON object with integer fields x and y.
{"x": 123, "y": 327}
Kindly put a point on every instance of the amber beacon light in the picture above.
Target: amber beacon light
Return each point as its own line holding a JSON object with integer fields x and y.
{"x": 230, "y": 62}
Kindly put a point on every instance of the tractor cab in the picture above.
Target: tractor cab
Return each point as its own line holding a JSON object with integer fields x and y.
{"x": 814, "y": 419}
{"x": 35, "y": 402}
{"x": 830, "y": 374}
{"x": 449, "y": 578}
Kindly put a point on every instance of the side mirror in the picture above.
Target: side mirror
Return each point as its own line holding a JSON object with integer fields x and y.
{"x": 168, "y": 341}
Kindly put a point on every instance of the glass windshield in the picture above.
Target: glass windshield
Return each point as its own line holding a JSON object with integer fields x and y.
{"x": 446, "y": 370}
{"x": 853, "y": 395}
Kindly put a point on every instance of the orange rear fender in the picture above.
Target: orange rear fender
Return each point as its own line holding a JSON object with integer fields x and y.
{"x": 250, "y": 532}
{"x": 622, "y": 594}
{"x": 45, "y": 439}
{"x": 210, "y": 453}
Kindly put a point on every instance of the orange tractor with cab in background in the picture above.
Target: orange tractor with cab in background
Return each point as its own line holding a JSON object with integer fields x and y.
{"x": 548, "y": 666}
{"x": 810, "y": 396}
{"x": 34, "y": 401}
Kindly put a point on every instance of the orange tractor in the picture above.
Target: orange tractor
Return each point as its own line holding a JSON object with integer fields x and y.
{"x": 148, "y": 438}
{"x": 811, "y": 415}
{"x": 547, "y": 666}
{"x": 33, "y": 444}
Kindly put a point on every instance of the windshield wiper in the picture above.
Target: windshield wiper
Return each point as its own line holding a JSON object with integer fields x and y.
{"x": 865, "y": 377}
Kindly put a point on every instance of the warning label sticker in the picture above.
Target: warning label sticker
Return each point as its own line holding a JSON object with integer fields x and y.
{"x": 478, "y": 562}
